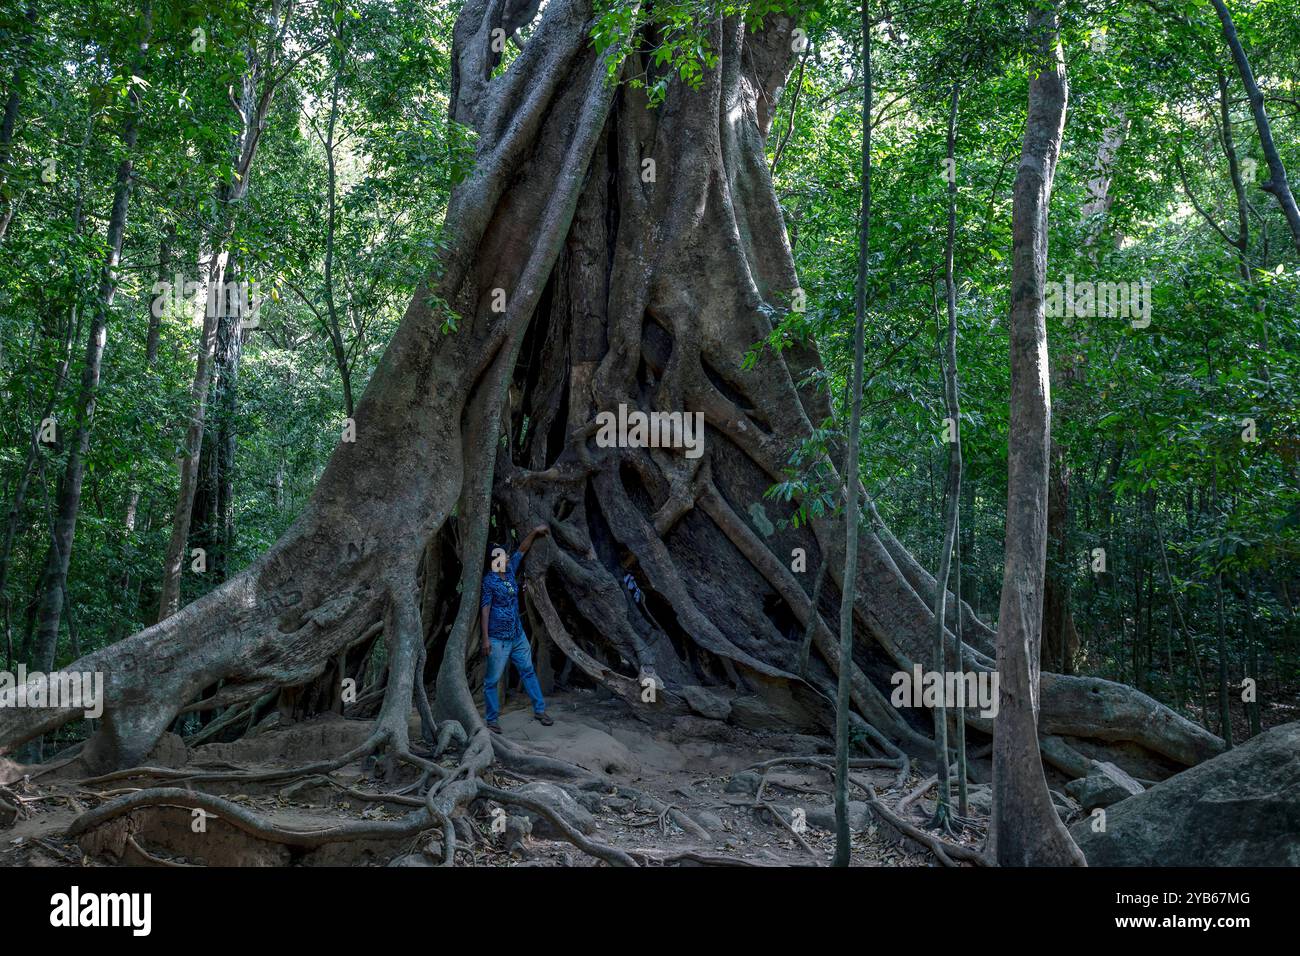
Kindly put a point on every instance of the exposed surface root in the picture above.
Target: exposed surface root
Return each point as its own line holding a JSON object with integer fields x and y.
{"x": 944, "y": 851}
{"x": 244, "y": 820}
{"x": 600, "y": 787}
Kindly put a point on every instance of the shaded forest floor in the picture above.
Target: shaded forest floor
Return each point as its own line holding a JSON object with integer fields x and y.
{"x": 651, "y": 776}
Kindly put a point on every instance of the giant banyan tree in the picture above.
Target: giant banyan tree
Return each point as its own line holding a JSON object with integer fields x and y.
{"x": 577, "y": 277}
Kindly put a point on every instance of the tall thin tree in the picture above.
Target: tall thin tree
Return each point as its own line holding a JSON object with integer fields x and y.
{"x": 1024, "y": 829}
{"x": 257, "y": 88}
{"x": 952, "y": 489}
{"x": 842, "y": 838}
{"x": 54, "y": 575}
{"x": 1277, "y": 182}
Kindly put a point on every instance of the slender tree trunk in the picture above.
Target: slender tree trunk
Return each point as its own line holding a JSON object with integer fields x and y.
{"x": 959, "y": 657}
{"x": 331, "y": 218}
{"x": 1221, "y": 637}
{"x": 150, "y": 360}
{"x": 230, "y": 350}
{"x": 17, "y": 505}
{"x": 72, "y": 334}
{"x": 1252, "y": 655}
{"x": 952, "y": 481}
{"x": 165, "y": 245}
{"x": 8, "y": 124}
{"x": 1188, "y": 639}
{"x": 843, "y": 838}
{"x": 1242, "y": 242}
{"x": 1025, "y": 830}
{"x": 257, "y": 89}
{"x": 1277, "y": 183}
{"x": 1221, "y": 651}
{"x": 191, "y": 459}
{"x": 54, "y": 576}
{"x": 212, "y": 517}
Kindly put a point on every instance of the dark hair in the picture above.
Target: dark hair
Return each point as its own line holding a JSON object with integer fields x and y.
{"x": 487, "y": 558}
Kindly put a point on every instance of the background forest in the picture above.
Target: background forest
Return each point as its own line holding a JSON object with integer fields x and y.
{"x": 306, "y": 148}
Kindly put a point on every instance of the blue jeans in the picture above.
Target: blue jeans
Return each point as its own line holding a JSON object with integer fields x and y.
{"x": 514, "y": 650}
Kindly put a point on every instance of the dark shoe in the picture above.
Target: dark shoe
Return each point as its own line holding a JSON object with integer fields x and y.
{"x": 543, "y": 719}
{"x": 494, "y": 727}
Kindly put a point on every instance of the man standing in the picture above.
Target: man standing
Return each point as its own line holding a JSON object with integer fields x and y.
{"x": 504, "y": 640}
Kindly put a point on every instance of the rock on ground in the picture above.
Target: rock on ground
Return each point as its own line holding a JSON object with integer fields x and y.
{"x": 573, "y": 813}
{"x": 1104, "y": 786}
{"x": 980, "y": 798}
{"x": 823, "y": 818}
{"x": 1241, "y": 808}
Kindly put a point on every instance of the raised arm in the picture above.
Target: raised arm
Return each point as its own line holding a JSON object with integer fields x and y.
{"x": 540, "y": 531}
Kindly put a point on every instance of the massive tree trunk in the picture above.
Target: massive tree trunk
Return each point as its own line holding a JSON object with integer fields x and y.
{"x": 578, "y": 277}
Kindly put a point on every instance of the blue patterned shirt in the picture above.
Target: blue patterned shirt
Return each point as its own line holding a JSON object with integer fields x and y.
{"x": 501, "y": 593}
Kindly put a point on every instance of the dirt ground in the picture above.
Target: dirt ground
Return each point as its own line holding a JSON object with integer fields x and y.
{"x": 683, "y": 785}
